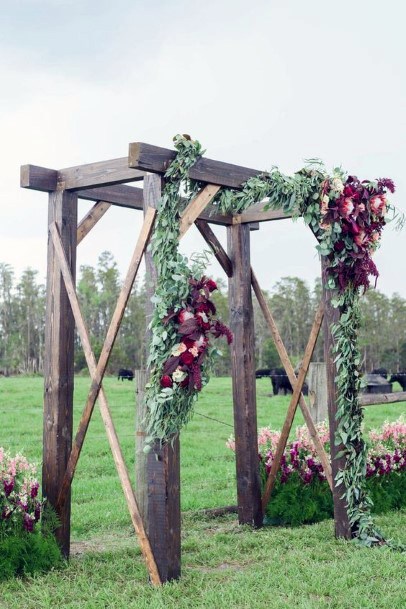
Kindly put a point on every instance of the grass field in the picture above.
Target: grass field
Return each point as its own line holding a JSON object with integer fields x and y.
{"x": 223, "y": 564}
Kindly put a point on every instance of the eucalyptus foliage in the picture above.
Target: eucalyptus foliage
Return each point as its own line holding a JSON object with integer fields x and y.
{"x": 326, "y": 207}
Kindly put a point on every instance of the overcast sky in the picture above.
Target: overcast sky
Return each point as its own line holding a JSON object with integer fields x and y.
{"x": 259, "y": 83}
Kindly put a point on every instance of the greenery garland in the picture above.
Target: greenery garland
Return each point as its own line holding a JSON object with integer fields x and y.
{"x": 347, "y": 217}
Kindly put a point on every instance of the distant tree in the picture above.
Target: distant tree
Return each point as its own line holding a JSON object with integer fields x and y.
{"x": 30, "y": 321}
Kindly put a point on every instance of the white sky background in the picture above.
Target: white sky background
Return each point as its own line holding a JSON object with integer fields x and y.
{"x": 259, "y": 83}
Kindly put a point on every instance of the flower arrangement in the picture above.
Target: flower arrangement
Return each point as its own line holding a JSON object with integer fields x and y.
{"x": 347, "y": 216}
{"x": 20, "y": 508}
{"x": 301, "y": 492}
{"x": 194, "y": 325}
{"x": 25, "y": 546}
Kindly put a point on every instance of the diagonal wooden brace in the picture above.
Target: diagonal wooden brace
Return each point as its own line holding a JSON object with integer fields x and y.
{"x": 196, "y": 207}
{"x": 107, "y": 348}
{"x": 287, "y": 426}
{"x": 292, "y": 378}
{"x": 105, "y": 413}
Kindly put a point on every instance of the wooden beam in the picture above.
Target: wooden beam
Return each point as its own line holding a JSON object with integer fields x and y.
{"x": 157, "y": 160}
{"x": 101, "y": 173}
{"x": 290, "y": 415}
{"x": 287, "y": 364}
{"x": 256, "y": 213}
{"x": 196, "y": 207}
{"x": 119, "y": 194}
{"x": 38, "y": 178}
{"x": 91, "y": 219}
{"x": 216, "y": 246}
{"x": 58, "y": 364}
{"x": 332, "y": 316}
{"x": 243, "y": 377}
{"x": 373, "y": 399}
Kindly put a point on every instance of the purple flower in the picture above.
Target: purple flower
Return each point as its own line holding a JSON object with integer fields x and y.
{"x": 8, "y": 486}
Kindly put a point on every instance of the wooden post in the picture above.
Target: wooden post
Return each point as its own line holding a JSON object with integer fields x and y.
{"x": 141, "y": 483}
{"x": 317, "y": 382}
{"x": 331, "y": 316}
{"x": 243, "y": 374}
{"x": 162, "y": 476}
{"x": 59, "y": 360}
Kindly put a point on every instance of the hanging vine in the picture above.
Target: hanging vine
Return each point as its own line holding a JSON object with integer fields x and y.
{"x": 347, "y": 217}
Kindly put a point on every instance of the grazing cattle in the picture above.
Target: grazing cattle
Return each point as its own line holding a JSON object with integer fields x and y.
{"x": 399, "y": 377}
{"x": 281, "y": 382}
{"x": 381, "y": 372}
{"x": 123, "y": 373}
{"x": 262, "y": 372}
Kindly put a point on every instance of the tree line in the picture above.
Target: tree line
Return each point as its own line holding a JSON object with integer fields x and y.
{"x": 292, "y": 302}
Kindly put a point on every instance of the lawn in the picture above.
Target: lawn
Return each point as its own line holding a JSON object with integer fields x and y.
{"x": 223, "y": 564}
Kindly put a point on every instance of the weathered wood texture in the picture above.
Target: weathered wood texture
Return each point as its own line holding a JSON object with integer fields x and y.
{"x": 216, "y": 246}
{"x": 161, "y": 478}
{"x": 287, "y": 364}
{"x": 331, "y": 316}
{"x": 196, "y": 207}
{"x": 91, "y": 219}
{"x": 101, "y": 173}
{"x": 105, "y": 414}
{"x": 243, "y": 377}
{"x": 58, "y": 365}
{"x": 297, "y": 390}
{"x": 157, "y": 160}
{"x": 317, "y": 383}
{"x": 373, "y": 399}
{"x": 38, "y": 178}
{"x": 120, "y": 195}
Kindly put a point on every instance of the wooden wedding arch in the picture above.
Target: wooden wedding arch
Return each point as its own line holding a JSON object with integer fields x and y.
{"x": 156, "y": 517}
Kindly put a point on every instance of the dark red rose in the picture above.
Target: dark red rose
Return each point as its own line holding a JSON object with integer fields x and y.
{"x": 187, "y": 358}
{"x": 339, "y": 246}
{"x": 203, "y": 308}
{"x": 166, "y": 381}
{"x": 188, "y": 343}
{"x": 211, "y": 285}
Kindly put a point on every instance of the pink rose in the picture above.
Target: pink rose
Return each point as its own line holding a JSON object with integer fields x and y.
{"x": 346, "y": 207}
{"x": 378, "y": 205}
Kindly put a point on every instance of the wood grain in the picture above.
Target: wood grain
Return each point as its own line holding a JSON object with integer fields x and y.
{"x": 91, "y": 219}
{"x": 38, "y": 178}
{"x": 58, "y": 364}
{"x": 243, "y": 377}
{"x": 196, "y": 207}
{"x": 101, "y": 173}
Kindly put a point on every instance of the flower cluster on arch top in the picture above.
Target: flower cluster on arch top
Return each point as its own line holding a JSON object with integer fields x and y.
{"x": 347, "y": 216}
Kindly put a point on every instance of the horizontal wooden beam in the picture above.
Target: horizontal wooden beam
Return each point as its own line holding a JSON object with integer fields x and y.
{"x": 157, "y": 160}
{"x": 256, "y": 213}
{"x": 38, "y": 178}
{"x": 373, "y": 399}
{"x": 119, "y": 194}
{"x": 102, "y": 173}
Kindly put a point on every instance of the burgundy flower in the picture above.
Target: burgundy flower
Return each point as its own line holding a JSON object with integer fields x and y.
{"x": 34, "y": 490}
{"x": 166, "y": 381}
{"x": 211, "y": 285}
{"x": 187, "y": 358}
{"x": 28, "y": 523}
{"x": 346, "y": 207}
{"x": 8, "y": 486}
{"x": 386, "y": 183}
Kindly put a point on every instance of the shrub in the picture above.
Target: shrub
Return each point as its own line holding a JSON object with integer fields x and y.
{"x": 301, "y": 493}
{"x": 25, "y": 545}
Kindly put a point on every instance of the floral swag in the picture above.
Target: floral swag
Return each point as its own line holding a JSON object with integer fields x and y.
{"x": 347, "y": 216}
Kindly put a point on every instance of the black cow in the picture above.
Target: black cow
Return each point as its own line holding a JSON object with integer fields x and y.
{"x": 281, "y": 382}
{"x": 399, "y": 377}
{"x": 381, "y": 372}
{"x": 262, "y": 372}
{"x": 123, "y": 373}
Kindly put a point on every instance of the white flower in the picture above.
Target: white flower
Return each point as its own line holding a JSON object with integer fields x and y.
{"x": 337, "y": 185}
{"x": 325, "y": 199}
{"x": 194, "y": 351}
{"x": 178, "y": 349}
{"x": 179, "y": 375}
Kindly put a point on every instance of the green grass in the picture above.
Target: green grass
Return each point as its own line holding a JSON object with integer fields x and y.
{"x": 223, "y": 564}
